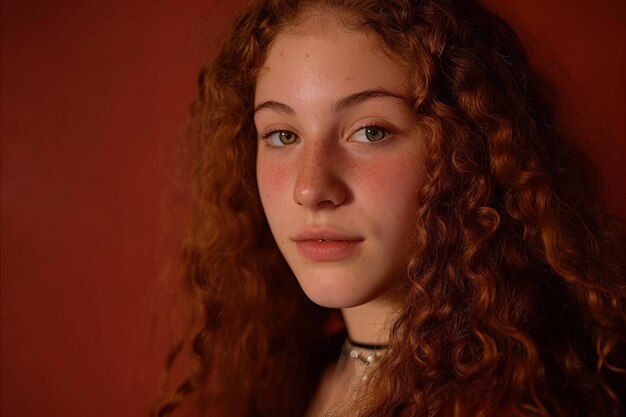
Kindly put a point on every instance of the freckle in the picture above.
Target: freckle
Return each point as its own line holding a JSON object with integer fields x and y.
{"x": 350, "y": 78}
{"x": 306, "y": 55}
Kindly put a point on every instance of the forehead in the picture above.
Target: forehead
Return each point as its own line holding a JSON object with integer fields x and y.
{"x": 325, "y": 57}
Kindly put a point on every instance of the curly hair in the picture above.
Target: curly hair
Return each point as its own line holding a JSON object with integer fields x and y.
{"x": 515, "y": 288}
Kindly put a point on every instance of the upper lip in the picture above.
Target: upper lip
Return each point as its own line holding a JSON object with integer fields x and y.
{"x": 325, "y": 234}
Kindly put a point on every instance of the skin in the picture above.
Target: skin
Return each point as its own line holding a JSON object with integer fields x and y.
{"x": 320, "y": 172}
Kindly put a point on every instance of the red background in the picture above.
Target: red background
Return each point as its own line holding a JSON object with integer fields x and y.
{"x": 93, "y": 102}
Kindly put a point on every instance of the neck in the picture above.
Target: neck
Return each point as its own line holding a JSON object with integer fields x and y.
{"x": 369, "y": 323}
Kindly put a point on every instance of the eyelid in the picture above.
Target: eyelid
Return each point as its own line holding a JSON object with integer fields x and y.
{"x": 267, "y": 132}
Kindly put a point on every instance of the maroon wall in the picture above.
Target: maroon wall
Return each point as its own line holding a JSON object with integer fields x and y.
{"x": 93, "y": 100}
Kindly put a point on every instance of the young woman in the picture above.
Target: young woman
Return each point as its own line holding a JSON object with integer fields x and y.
{"x": 393, "y": 160}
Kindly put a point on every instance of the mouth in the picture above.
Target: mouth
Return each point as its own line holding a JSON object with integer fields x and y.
{"x": 326, "y": 236}
{"x": 327, "y": 246}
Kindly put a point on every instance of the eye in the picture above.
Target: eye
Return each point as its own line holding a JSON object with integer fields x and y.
{"x": 370, "y": 134}
{"x": 281, "y": 138}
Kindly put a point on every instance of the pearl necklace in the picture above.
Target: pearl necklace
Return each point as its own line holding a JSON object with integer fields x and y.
{"x": 364, "y": 353}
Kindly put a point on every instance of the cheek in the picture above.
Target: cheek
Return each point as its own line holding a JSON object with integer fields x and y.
{"x": 389, "y": 197}
{"x": 393, "y": 184}
{"x": 387, "y": 204}
{"x": 273, "y": 185}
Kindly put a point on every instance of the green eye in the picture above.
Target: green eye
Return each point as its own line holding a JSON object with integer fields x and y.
{"x": 370, "y": 134}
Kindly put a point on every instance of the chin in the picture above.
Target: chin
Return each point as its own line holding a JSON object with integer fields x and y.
{"x": 338, "y": 292}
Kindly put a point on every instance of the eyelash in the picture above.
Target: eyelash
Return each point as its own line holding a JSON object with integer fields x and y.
{"x": 267, "y": 133}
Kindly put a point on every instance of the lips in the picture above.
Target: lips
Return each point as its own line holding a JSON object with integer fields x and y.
{"x": 327, "y": 245}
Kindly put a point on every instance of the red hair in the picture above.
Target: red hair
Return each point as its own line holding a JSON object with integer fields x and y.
{"x": 515, "y": 289}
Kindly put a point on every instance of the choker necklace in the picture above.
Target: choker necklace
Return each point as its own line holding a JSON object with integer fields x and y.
{"x": 365, "y": 353}
{"x": 365, "y": 345}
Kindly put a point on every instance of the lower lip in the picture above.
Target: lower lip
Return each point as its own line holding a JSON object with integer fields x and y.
{"x": 327, "y": 251}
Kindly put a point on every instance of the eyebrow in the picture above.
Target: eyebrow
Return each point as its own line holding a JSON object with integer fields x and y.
{"x": 341, "y": 104}
{"x": 276, "y": 106}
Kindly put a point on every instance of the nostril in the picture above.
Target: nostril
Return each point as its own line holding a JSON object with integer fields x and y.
{"x": 326, "y": 203}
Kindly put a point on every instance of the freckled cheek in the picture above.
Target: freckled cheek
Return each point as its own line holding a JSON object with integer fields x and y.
{"x": 390, "y": 190}
{"x": 273, "y": 183}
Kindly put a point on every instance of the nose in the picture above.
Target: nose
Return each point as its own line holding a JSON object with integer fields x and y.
{"x": 319, "y": 183}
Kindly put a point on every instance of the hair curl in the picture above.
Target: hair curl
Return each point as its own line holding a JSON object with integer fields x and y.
{"x": 516, "y": 285}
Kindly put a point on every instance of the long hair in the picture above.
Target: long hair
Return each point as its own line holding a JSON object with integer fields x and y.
{"x": 515, "y": 287}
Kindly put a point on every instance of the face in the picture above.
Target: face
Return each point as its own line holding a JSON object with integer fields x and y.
{"x": 339, "y": 162}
